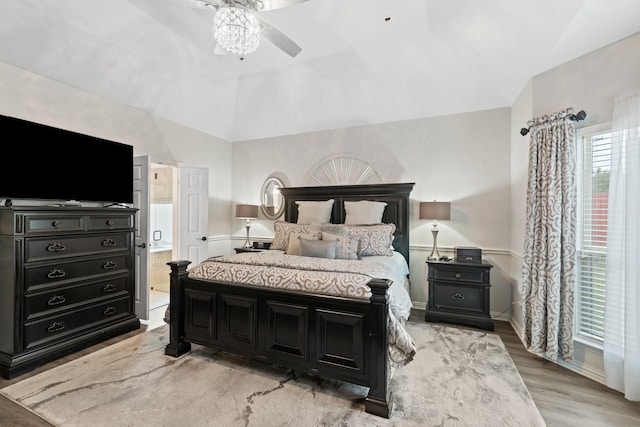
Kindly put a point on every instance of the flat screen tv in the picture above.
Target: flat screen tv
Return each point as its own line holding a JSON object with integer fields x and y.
{"x": 47, "y": 163}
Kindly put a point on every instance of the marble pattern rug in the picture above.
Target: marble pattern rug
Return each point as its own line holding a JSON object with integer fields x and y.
{"x": 458, "y": 378}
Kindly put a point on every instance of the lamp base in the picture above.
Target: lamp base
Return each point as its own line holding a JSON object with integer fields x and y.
{"x": 435, "y": 255}
{"x": 247, "y": 243}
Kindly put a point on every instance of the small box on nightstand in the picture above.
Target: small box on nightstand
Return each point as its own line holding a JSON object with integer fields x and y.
{"x": 467, "y": 254}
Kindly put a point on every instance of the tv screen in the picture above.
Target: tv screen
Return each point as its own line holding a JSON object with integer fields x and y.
{"x": 47, "y": 163}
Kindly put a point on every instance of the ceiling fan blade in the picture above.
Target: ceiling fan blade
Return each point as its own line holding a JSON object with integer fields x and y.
{"x": 214, "y": 5}
{"x": 281, "y": 41}
{"x": 280, "y": 4}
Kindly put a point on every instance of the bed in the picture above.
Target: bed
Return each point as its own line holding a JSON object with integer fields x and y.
{"x": 355, "y": 334}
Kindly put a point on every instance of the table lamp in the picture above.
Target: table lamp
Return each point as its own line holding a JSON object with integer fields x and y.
{"x": 435, "y": 211}
{"x": 247, "y": 212}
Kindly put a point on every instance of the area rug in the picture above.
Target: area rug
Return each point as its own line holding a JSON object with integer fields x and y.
{"x": 458, "y": 378}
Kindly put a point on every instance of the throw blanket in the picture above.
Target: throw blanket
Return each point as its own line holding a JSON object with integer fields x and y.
{"x": 337, "y": 277}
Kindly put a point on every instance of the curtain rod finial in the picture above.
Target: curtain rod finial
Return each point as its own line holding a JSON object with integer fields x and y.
{"x": 580, "y": 115}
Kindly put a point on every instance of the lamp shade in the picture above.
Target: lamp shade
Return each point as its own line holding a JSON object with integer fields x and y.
{"x": 247, "y": 211}
{"x": 435, "y": 210}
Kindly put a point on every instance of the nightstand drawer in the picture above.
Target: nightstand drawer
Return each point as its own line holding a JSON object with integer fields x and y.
{"x": 459, "y": 293}
{"x": 469, "y": 298}
{"x": 454, "y": 273}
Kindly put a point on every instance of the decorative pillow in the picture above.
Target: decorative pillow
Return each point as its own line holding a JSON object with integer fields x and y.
{"x": 318, "y": 248}
{"x": 282, "y": 230}
{"x": 293, "y": 248}
{"x": 375, "y": 239}
{"x": 364, "y": 212}
{"x": 314, "y": 212}
{"x": 347, "y": 247}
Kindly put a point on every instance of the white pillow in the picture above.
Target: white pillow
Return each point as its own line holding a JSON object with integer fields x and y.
{"x": 364, "y": 212}
{"x": 314, "y": 212}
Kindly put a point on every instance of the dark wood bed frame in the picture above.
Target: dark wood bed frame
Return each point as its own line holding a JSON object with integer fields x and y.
{"x": 335, "y": 337}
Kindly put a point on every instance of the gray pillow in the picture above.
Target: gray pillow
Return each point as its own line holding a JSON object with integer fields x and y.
{"x": 318, "y": 248}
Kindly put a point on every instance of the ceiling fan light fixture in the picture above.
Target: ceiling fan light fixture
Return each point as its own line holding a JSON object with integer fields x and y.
{"x": 236, "y": 29}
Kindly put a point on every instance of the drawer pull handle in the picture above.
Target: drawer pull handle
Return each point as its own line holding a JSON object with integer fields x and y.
{"x": 458, "y": 275}
{"x": 109, "y": 222}
{"x": 56, "y": 273}
{"x": 56, "y": 247}
{"x": 109, "y": 265}
{"x": 56, "y": 224}
{"x": 457, "y": 296}
{"x": 56, "y": 300}
{"x": 109, "y": 287}
{"x": 109, "y": 311}
{"x": 55, "y": 327}
{"x": 108, "y": 243}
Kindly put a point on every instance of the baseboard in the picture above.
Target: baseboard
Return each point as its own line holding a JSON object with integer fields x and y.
{"x": 586, "y": 370}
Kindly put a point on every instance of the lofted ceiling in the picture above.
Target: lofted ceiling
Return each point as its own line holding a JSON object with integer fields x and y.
{"x": 362, "y": 61}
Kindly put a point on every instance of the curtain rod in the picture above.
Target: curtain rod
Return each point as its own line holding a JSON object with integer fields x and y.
{"x": 580, "y": 115}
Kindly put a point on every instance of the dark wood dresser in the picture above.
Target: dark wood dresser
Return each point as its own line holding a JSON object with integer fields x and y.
{"x": 459, "y": 293}
{"x": 67, "y": 279}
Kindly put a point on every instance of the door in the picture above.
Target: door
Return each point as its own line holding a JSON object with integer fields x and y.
{"x": 193, "y": 214}
{"x": 141, "y": 166}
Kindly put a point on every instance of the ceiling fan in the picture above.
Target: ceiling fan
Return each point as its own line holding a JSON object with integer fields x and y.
{"x": 238, "y": 30}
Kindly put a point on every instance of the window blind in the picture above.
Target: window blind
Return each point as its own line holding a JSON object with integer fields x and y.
{"x": 593, "y": 186}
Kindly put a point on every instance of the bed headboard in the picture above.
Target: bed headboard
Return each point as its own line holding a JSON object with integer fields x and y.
{"x": 395, "y": 195}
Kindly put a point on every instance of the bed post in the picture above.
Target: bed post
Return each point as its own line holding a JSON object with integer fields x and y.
{"x": 176, "y": 346}
{"x": 379, "y": 400}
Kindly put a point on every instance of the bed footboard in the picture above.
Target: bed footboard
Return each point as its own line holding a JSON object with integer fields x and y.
{"x": 336, "y": 337}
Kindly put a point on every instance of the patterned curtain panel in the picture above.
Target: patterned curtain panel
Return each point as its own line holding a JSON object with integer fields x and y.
{"x": 549, "y": 261}
{"x": 622, "y": 297}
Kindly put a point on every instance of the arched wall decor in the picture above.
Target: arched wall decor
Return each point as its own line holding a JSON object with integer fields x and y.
{"x": 343, "y": 169}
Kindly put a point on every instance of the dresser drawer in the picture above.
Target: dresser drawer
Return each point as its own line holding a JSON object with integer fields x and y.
{"x": 446, "y": 296}
{"x": 110, "y": 222}
{"x": 67, "y": 297}
{"x": 70, "y": 271}
{"x": 66, "y": 325}
{"x": 35, "y": 224}
{"x": 38, "y": 249}
{"x": 450, "y": 272}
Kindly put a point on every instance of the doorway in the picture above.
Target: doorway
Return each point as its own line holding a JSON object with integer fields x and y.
{"x": 162, "y": 193}
{"x": 180, "y": 198}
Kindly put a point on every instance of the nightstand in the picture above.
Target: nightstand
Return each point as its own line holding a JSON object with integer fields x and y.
{"x": 459, "y": 293}
{"x": 241, "y": 250}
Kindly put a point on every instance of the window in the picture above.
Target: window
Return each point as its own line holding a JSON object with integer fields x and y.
{"x": 594, "y": 161}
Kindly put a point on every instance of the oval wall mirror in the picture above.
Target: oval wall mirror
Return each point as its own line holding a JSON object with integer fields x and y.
{"x": 272, "y": 203}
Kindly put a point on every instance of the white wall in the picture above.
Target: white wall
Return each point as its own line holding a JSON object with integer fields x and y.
{"x": 462, "y": 158}
{"x": 29, "y": 96}
{"x": 521, "y": 113}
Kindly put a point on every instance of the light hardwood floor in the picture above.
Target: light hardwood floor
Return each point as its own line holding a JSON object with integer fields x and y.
{"x": 564, "y": 398}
